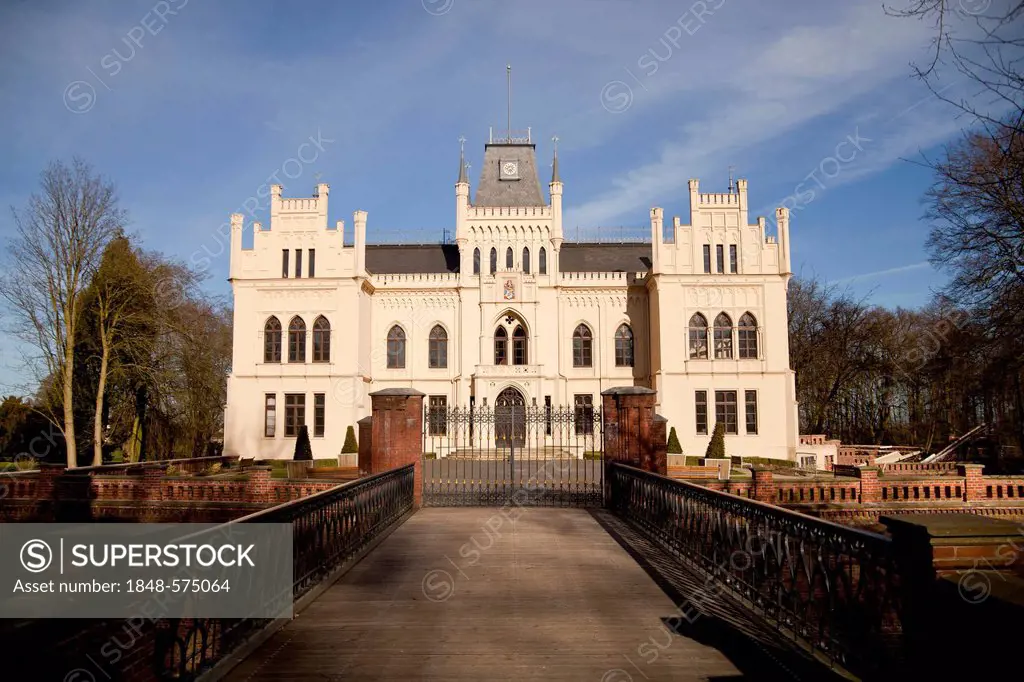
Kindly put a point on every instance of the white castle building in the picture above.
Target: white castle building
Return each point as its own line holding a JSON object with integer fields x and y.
{"x": 514, "y": 309}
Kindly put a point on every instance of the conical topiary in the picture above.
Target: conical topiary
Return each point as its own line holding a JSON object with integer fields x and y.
{"x": 303, "y": 450}
{"x": 674, "y": 448}
{"x": 350, "y": 442}
{"x": 716, "y": 448}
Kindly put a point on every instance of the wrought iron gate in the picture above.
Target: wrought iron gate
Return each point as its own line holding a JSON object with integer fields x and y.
{"x": 513, "y": 453}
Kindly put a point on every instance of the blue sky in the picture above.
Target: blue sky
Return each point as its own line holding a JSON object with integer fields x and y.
{"x": 190, "y": 106}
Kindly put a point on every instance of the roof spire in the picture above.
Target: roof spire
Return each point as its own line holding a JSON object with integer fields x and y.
{"x": 462, "y": 161}
{"x": 730, "y": 179}
{"x": 554, "y": 162}
{"x": 508, "y": 78}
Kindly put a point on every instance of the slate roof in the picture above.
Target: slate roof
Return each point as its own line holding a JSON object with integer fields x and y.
{"x": 629, "y": 257}
{"x": 401, "y": 259}
{"x": 525, "y": 191}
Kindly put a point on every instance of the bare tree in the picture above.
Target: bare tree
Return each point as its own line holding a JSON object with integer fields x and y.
{"x": 983, "y": 42}
{"x": 59, "y": 238}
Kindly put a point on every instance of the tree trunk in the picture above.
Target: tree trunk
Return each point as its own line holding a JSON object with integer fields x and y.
{"x": 97, "y": 422}
{"x": 69, "y": 409}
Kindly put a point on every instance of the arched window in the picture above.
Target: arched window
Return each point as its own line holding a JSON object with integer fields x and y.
{"x": 624, "y": 346}
{"x": 509, "y": 259}
{"x": 698, "y": 337}
{"x": 438, "y": 348}
{"x": 396, "y": 348}
{"x": 296, "y": 340}
{"x": 723, "y": 337}
{"x": 526, "y": 260}
{"x": 747, "y": 334}
{"x": 542, "y": 263}
{"x": 476, "y": 261}
{"x": 582, "y": 347}
{"x": 321, "y": 340}
{"x": 494, "y": 260}
{"x": 272, "y": 340}
{"x": 500, "y": 346}
{"x": 519, "y": 355}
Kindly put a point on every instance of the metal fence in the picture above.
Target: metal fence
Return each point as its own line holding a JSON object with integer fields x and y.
{"x": 329, "y": 529}
{"x": 513, "y": 454}
{"x": 835, "y": 590}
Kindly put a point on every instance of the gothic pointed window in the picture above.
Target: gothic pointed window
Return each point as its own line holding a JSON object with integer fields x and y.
{"x": 723, "y": 337}
{"x": 624, "y": 346}
{"x": 438, "y": 350}
{"x": 296, "y": 340}
{"x": 321, "y": 340}
{"x": 500, "y": 346}
{"x": 509, "y": 259}
{"x": 476, "y": 261}
{"x": 698, "y": 337}
{"x": 747, "y": 336}
{"x": 272, "y": 340}
{"x": 519, "y": 355}
{"x": 582, "y": 347}
{"x": 526, "y": 260}
{"x": 542, "y": 261}
{"x": 396, "y": 348}
{"x": 494, "y": 260}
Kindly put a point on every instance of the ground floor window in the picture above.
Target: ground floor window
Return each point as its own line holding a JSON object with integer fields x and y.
{"x": 319, "y": 413}
{"x": 584, "y": 413}
{"x": 701, "y": 409}
{"x": 725, "y": 410}
{"x": 294, "y": 413}
{"x": 750, "y": 398}
{"x": 270, "y": 415}
{"x": 547, "y": 415}
{"x": 437, "y": 415}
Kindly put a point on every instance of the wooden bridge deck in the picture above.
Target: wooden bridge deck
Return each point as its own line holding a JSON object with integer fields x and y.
{"x": 470, "y": 594}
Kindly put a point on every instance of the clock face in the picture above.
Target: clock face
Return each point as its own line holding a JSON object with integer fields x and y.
{"x": 510, "y": 168}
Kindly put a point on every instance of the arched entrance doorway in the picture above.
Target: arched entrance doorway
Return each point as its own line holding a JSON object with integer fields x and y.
{"x": 510, "y": 419}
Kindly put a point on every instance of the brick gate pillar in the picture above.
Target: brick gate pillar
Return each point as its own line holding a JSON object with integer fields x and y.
{"x": 396, "y": 433}
{"x": 365, "y": 451}
{"x": 629, "y": 427}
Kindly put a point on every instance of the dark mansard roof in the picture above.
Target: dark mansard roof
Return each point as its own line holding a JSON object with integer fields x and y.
{"x": 401, "y": 259}
{"x": 526, "y": 191}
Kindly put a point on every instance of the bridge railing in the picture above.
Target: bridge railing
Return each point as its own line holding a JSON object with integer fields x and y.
{"x": 329, "y": 529}
{"x": 834, "y": 590}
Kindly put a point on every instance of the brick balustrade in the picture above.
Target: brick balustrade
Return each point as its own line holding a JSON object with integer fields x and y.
{"x": 76, "y": 494}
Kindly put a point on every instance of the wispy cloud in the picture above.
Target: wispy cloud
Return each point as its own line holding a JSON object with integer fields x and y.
{"x": 882, "y": 273}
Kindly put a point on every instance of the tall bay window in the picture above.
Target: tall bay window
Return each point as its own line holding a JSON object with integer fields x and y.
{"x": 747, "y": 336}
{"x": 396, "y": 348}
{"x": 624, "y": 346}
{"x": 272, "y": 340}
{"x": 723, "y": 337}
{"x": 698, "y": 333}
{"x": 321, "y": 339}
{"x": 297, "y": 340}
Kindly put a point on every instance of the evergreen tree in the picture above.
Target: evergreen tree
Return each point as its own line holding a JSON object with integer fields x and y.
{"x": 303, "y": 450}
{"x": 716, "y": 448}
{"x": 674, "y": 448}
{"x": 350, "y": 442}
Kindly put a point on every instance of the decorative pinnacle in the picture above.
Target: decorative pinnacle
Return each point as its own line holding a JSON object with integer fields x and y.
{"x": 554, "y": 162}
{"x": 462, "y": 161}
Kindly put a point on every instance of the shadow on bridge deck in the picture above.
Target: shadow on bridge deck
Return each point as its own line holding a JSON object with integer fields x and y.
{"x": 472, "y": 594}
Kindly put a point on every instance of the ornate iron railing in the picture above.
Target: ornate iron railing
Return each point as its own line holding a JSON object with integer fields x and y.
{"x": 835, "y": 590}
{"x": 329, "y": 529}
{"x": 513, "y": 454}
